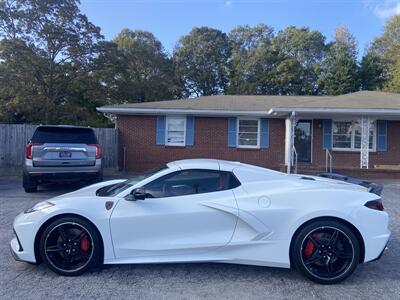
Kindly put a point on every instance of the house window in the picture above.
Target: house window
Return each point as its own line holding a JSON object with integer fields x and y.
{"x": 175, "y": 131}
{"x": 346, "y": 135}
{"x": 248, "y": 133}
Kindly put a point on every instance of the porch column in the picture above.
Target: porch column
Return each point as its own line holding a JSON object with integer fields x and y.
{"x": 290, "y": 124}
{"x": 364, "y": 153}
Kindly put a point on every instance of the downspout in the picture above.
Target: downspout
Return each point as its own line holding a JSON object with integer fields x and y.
{"x": 289, "y": 141}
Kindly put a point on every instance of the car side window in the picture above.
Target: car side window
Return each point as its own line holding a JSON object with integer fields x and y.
{"x": 189, "y": 182}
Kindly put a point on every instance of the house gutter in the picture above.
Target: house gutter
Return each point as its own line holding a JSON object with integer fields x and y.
{"x": 179, "y": 111}
{"x": 351, "y": 111}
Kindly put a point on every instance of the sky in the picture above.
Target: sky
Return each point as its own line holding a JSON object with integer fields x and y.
{"x": 168, "y": 20}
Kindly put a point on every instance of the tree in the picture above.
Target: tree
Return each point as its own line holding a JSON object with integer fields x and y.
{"x": 388, "y": 44}
{"x": 48, "y": 43}
{"x": 290, "y": 78}
{"x": 302, "y": 51}
{"x": 393, "y": 85}
{"x": 387, "y": 47}
{"x": 20, "y": 97}
{"x": 145, "y": 71}
{"x": 373, "y": 72}
{"x": 306, "y": 46}
{"x": 201, "y": 59}
{"x": 252, "y": 61}
{"x": 11, "y": 16}
{"x": 339, "y": 69}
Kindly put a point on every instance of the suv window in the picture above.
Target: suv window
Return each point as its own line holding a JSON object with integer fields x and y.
{"x": 71, "y": 135}
{"x": 188, "y": 182}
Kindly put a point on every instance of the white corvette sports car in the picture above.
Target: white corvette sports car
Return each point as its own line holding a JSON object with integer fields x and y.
{"x": 204, "y": 210}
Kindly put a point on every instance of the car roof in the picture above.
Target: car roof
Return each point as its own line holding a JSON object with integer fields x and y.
{"x": 64, "y": 126}
{"x": 196, "y": 163}
{"x": 218, "y": 164}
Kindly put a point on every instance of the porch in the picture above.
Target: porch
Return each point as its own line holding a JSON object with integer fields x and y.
{"x": 352, "y": 143}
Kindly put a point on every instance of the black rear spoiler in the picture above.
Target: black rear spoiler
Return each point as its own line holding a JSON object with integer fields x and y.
{"x": 375, "y": 188}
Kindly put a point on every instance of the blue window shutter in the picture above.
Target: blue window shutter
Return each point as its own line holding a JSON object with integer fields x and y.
{"x": 160, "y": 131}
{"x": 327, "y": 134}
{"x": 232, "y": 132}
{"x": 189, "y": 131}
{"x": 264, "y": 133}
{"x": 381, "y": 143}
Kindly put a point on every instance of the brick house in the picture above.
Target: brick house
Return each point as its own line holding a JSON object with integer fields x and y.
{"x": 352, "y": 133}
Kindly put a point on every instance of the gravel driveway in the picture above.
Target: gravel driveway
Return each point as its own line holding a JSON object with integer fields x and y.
{"x": 19, "y": 280}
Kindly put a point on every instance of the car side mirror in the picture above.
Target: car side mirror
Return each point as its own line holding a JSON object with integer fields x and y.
{"x": 138, "y": 194}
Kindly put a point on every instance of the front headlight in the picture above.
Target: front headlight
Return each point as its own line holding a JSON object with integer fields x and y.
{"x": 39, "y": 206}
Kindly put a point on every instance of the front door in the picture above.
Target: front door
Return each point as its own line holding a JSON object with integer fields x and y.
{"x": 186, "y": 213}
{"x": 303, "y": 139}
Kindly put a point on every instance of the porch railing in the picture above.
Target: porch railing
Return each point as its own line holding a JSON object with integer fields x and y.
{"x": 328, "y": 161}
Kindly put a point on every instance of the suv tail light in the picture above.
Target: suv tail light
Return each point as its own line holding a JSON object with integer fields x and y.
{"x": 375, "y": 204}
{"x": 28, "y": 149}
{"x": 98, "y": 150}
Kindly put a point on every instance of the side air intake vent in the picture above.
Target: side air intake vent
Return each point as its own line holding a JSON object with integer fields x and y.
{"x": 307, "y": 178}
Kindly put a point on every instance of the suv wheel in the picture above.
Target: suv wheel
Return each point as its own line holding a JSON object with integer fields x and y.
{"x": 29, "y": 184}
{"x": 99, "y": 178}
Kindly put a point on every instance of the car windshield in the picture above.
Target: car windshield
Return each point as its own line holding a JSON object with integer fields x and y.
{"x": 115, "y": 189}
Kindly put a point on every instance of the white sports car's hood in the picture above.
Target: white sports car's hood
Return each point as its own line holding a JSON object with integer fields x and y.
{"x": 88, "y": 190}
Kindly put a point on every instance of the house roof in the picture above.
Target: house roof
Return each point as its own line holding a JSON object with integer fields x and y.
{"x": 359, "y": 102}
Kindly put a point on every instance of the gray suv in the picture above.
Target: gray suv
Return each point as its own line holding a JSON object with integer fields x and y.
{"x": 61, "y": 153}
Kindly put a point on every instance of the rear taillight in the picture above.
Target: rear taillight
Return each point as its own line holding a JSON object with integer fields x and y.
{"x": 28, "y": 149}
{"x": 375, "y": 204}
{"x": 98, "y": 150}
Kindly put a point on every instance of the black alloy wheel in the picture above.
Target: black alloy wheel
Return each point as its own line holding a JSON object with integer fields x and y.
{"x": 70, "y": 246}
{"x": 326, "y": 252}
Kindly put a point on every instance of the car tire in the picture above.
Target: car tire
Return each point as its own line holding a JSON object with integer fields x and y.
{"x": 30, "y": 189}
{"x": 99, "y": 178}
{"x": 29, "y": 184}
{"x": 325, "y": 251}
{"x": 70, "y": 246}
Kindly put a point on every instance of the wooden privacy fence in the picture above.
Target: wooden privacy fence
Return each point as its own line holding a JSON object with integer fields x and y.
{"x": 13, "y": 139}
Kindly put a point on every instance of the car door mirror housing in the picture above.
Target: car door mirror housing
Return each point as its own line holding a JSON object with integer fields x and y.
{"x": 138, "y": 194}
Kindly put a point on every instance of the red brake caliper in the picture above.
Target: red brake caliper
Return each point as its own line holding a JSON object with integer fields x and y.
{"x": 85, "y": 244}
{"x": 309, "y": 249}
